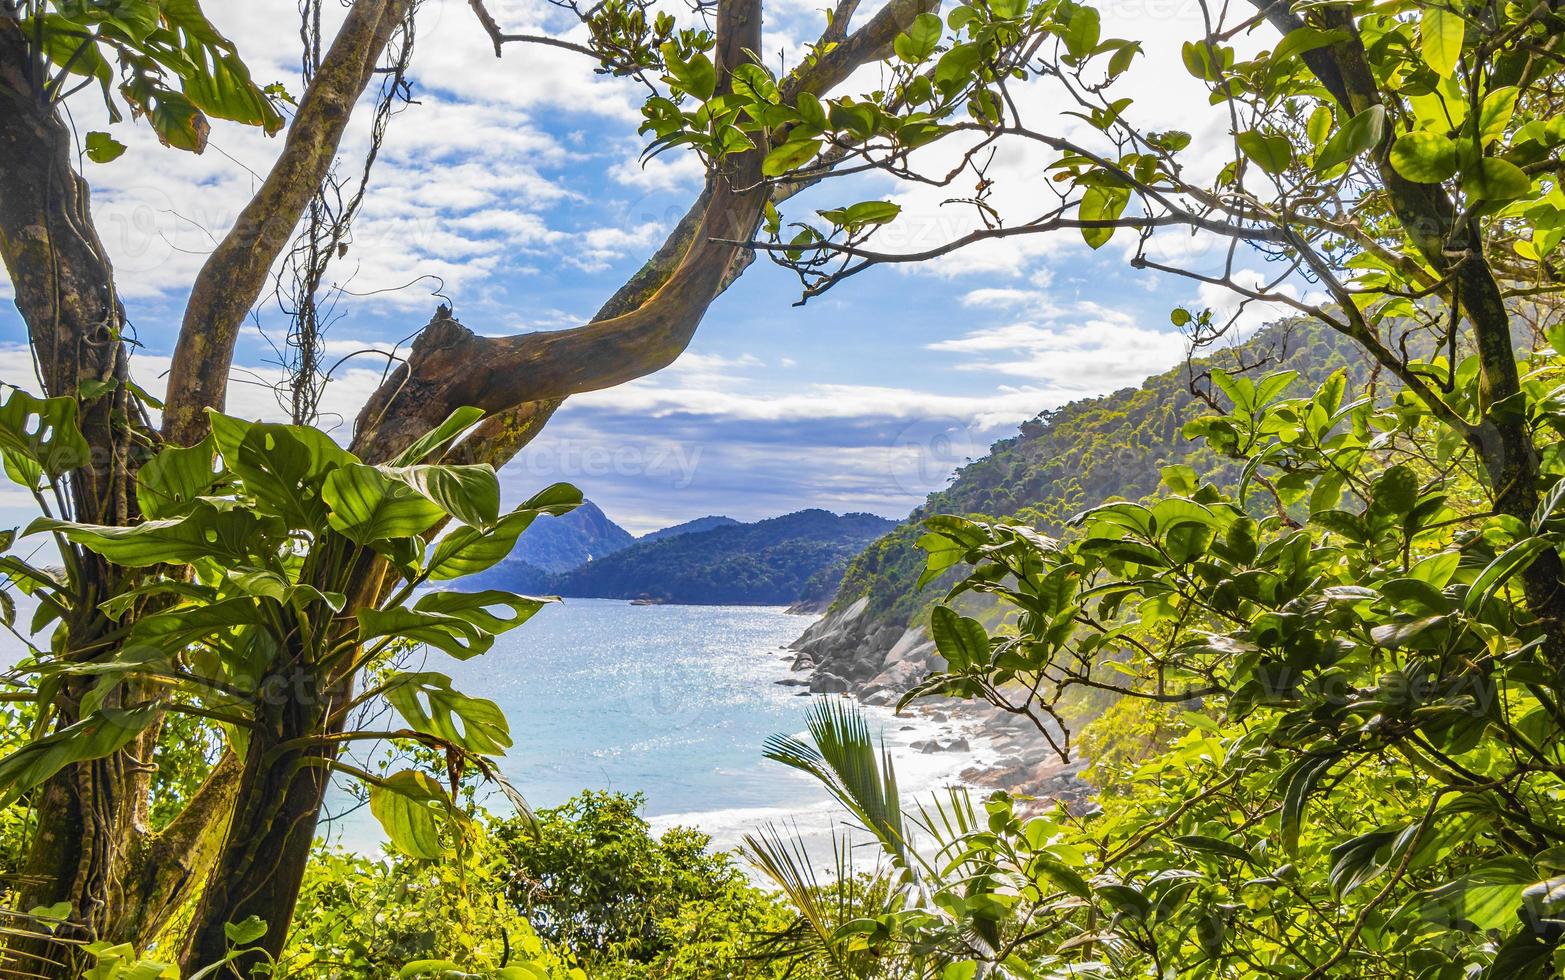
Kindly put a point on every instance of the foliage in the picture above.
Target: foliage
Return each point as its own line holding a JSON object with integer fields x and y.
{"x": 365, "y": 918}
{"x": 1081, "y": 454}
{"x": 239, "y": 579}
{"x": 628, "y": 904}
{"x": 175, "y": 69}
{"x": 1372, "y": 789}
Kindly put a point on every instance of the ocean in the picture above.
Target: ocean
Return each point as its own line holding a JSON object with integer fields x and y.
{"x": 673, "y": 702}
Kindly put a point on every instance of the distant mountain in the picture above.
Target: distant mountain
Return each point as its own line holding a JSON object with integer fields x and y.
{"x": 772, "y": 562}
{"x": 689, "y": 527}
{"x": 559, "y": 544}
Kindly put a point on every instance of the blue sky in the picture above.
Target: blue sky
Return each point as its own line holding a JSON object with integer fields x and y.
{"x": 515, "y": 182}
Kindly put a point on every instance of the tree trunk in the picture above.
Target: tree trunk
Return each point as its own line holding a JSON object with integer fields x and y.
{"x": 89, "y": 816}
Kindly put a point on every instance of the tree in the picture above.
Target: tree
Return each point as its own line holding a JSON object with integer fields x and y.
{"x": 242, "y": 840}
{"x": 1361, "y": 638}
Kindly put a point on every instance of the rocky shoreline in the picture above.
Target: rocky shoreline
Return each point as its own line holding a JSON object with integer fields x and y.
{"x": 848, "y": 653}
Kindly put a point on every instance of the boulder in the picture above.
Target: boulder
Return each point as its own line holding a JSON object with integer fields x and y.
{"x": 824, "y": 683}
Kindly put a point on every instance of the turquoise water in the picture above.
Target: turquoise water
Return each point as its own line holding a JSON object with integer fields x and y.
{"x": 673, "y": 702}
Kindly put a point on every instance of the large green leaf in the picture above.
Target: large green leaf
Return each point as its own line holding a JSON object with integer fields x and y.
{"x": 470, "y": 493}
{"x": 1440, "y": 38}
{"x": 919, "y": 41}
{"x": 962, "y": 641}
{"x": 410, "y": 806}
{"x": 1270, "y": 152}
{"x": 220, "y": 84}
{"x": 173, "y": 478}
{"x": 93, "y": 737}
{"x": 205, "y": 532}
{"x": 1424, "y": 156}
{"x": 555, "y": 499}
{"x": 366, "y": 506}
{"x": 430, "y": 705}
{"x": 466, "y": 550}
{"x": 40, "y": 437}
{"x": 1493, "y": 179}
{"x": 282, "y": 466}
{"x": 452, "y": 634}
{"x": 492, "y": 611}
{"x": 1361, "y": 133}
{"x": 436, "y": 440}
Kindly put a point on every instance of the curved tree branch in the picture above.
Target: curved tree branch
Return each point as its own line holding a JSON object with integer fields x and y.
{"x": 235, "y": 273}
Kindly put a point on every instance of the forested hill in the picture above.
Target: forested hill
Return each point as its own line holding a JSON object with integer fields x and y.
{"x": 1075, "y": 457}
{"x": 771, "y": 562}
{"x": 559, "y": 544}
{"x": 689, "y": 527}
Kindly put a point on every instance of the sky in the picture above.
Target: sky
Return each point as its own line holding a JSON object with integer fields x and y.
{"x": 512, "y": 190}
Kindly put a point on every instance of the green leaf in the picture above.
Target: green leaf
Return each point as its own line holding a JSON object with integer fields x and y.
{"x": 555, "y": 499}
{"x": 1270, "y": 152}
{"x": 221, "y": 84}
{"x": 1215, "y": 845}
{"x": 790, "y": 156}
{"x": 466, "y": 550}
{"x": 205, "y": 533}
{"x": 281, "y": 465}
{"x": 246, "y": 932}
{"x": 1506, "y": 564}
{"x": 437, "y": 440}
{"x": 963, "y": 642}
{"x": 863, "y": 214}
{"x": 476, "y": 607}
{"x": 956, "y": 68}
{"x": 366, "y": 506}
{"x": 1082, "y": 31}
{"x": 171, "y": 480}
{"x": 1299, "y": 782}
{"x": 103, "y": 148}
{"x": 1440, "y": 35}
{"x": 1062, "y": 875}
{"x": 1425, "y": 157}
{"x": 811, "y": 111}
{"x": 1102, "y": 203}
{"x": 40, "y": 437}
{"x": 94, "y": 737}
{"x": 697, "y": 76}
{"x": 429, "y": 705}
{"x": 1494, "y": 115}
{"x": 1362, "y": 133}
{"x": 470, "y": 493}
{"x": 919, "y": 42}
{"x": 1494, "y": 179}
{"x": 409, "y": 805}
{"x": 1297, "y": 42}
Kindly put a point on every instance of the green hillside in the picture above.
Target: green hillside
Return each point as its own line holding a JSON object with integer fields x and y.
{"x": 1077, "y": 456}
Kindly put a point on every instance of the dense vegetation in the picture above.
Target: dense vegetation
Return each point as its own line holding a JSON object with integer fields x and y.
{"x": 778, "y": 561}
{"x": 1081, "y": 454}
{"x": 589, "y": 889}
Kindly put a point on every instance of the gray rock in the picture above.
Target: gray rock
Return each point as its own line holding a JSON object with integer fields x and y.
{"x": 823, "y": 683}
{"x": 793, "y": 682}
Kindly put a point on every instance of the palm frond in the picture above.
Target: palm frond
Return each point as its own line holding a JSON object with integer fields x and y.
{"x": 860, "y": 777}
{"x": 813, "y": 936}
